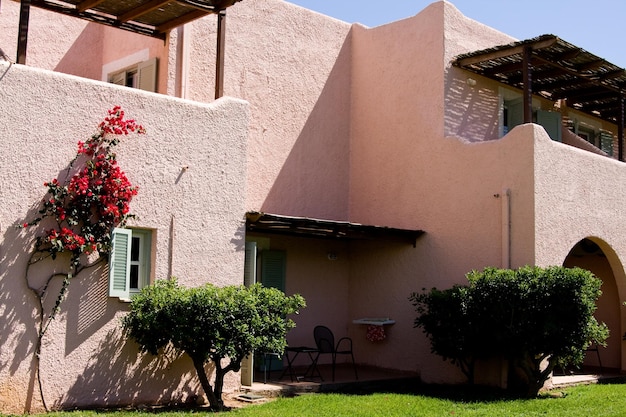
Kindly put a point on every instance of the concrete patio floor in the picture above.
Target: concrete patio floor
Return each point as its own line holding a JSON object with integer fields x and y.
{"x": 562, "y": 381}
{"x": 369, "y": 378}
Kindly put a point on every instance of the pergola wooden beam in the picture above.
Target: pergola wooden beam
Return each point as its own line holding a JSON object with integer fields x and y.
{"x": 143, "y": 9}
{"x": 87, "y": 4}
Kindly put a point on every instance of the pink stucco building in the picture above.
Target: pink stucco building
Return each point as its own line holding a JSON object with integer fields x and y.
{"x": 368, "y": 162}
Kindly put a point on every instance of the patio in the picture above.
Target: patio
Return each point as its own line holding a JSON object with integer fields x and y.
{"x": 369, "y": 379}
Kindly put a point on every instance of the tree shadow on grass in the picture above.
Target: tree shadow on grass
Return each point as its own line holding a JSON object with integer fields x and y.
{"x": 413, "y": 386}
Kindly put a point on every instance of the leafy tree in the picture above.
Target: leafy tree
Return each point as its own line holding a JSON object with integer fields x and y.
{"x": 211, "y": 323}
{"x": 534, "y": 317}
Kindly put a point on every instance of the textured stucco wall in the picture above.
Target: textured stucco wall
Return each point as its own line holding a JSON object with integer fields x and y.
{"x": 406, "y": 172}
{"x": 293, "y": 66}
{"x": 582, "y": 195}
{"x": 196, "y": 212}
{"x": 47, "y": 43}
{"x": 470, "y": 113}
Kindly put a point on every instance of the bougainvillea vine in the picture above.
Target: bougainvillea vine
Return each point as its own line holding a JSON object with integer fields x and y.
{"x": 79, "y": 212}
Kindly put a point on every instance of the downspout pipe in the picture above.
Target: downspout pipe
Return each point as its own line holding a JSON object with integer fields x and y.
{"x": 221, "y": 43}
{"x": 506, "y": 228}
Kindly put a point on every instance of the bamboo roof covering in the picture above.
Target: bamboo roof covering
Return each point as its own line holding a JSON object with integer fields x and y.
{"x": 147, "y": 17}
{"x": 560, "y": 71}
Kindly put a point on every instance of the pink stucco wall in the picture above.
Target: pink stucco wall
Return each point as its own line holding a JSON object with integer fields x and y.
{"x": 190, "y": 151}
{"x": 582, "y": 195}
{"x": 293, "y": 66}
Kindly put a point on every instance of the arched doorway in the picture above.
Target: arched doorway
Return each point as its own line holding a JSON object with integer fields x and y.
{"x": 591, "y": 254}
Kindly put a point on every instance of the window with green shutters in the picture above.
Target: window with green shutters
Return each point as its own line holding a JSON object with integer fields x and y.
{"x": 129, "y": 261}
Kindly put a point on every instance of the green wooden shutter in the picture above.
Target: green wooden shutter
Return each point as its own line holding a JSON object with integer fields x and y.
{"x": 551, "y": 121}
{"x": 273, "y": 271}
{"x": 119, "y": 263}
{"x": 273, "y": 266}
{"x": 606, "y": 142}
{"x": 249, "y": 267}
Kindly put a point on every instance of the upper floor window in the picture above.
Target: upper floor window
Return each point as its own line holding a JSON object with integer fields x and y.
{"x": 142, "y": 75}
{"x": 591, "y": 131}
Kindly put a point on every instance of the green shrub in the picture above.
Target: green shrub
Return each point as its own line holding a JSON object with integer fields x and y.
{"x": 534, "y": 317}
{"x": 211, "y": 323}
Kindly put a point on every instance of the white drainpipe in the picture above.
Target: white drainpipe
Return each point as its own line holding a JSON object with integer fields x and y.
{"x": 506, "y": 228}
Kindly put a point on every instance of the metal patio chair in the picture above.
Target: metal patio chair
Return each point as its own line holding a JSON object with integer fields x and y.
{"x": 325, "y": 342}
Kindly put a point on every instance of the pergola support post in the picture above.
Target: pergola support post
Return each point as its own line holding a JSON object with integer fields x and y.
{"x": 527, "y": 72}
{"x": 219, "y": 64}
{"x": 22, "y": 37}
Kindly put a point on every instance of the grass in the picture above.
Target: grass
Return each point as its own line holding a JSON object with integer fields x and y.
{"x": 582, "y": 401}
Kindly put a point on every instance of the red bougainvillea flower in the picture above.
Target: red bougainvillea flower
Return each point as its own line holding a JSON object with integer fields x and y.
{"x": 95, "y": 199}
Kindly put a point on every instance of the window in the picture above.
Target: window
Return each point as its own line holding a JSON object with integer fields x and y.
{"x": 590, "y": 130}
{"x": 129, "y": 261}
{"x": 141, "y": 76}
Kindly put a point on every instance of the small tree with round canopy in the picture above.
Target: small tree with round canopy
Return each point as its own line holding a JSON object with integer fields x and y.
{"x": 222, "y": 325}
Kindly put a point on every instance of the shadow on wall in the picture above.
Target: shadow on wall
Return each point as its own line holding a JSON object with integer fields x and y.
{"x": 471, "y": 110}
{"x": 86, "y": 305}
{"x": 114, "y": 372}
{"x": 86, "y": 44}
{"x": 314, "y": 180}
{"x": 18, "y": 329}
{"x": 118, "y": 375}
{"x": 21, "y": 277}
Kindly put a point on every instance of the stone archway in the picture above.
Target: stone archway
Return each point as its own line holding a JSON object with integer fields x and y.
{"x": 591, "y": 254}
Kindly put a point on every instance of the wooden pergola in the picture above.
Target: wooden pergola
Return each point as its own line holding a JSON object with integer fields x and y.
{"x": 153, "y": 18}
{"x": 326, "y": 229}
{"x": 556, "y": 70}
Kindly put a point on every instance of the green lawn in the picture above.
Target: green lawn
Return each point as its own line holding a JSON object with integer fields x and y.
{"x": 582, "y": 401}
